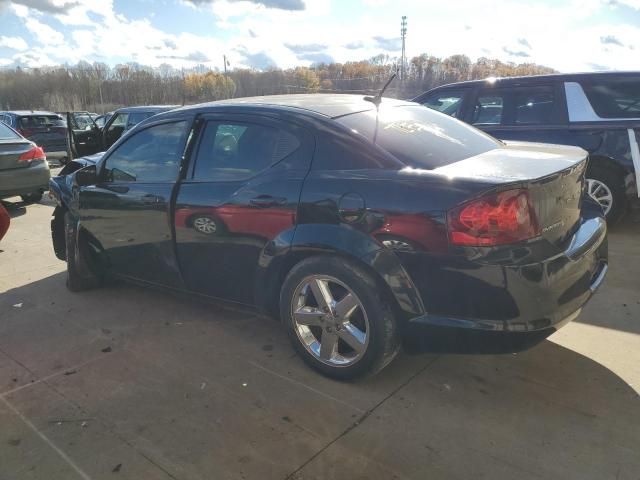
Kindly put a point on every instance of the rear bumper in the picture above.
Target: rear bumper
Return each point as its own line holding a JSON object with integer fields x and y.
{"x": 498, "y": 308}
{"x": 24, "y": 181}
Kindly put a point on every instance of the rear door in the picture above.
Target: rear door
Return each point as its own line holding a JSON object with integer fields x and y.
{"x": 48, "y": 131}
{"x": 532, "y": 113}
{"x": 240, "y": 196}
{"x": 128, "y": 211}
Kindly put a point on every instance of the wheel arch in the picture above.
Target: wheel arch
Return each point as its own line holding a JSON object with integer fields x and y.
{"x": 338, "y": 241}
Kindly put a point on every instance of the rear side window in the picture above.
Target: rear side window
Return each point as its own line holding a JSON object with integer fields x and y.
{"x": 41, "y": 121}
{"x": 488, "y": 110}
{"x": 534, "y": 106}
{"x": 613, "y": 97}
{"x": 449, "y": 102}
{"x": 238, "y": 150}
{"x": 419, "y": 137}
{"x": 6, "y": 133}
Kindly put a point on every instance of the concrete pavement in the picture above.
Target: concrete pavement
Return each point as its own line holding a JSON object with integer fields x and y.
{"x": 125, "y": 382}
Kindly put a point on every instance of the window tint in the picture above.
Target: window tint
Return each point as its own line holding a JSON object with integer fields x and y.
{"x": 234, "y": 151}
{"x": 151, "y": 155}
{"x": 488, "y": 109}
{"x": 6, "y": 133}
{"x": 614, "y": 98}
{"x": 136, "y": 118}
{"x": 449, "y": 102}
{"x": 534, "y": 105}
{"x": 419, "y": 137}
{"x": 342, "y": 152}
{"x": 41, "y": 121}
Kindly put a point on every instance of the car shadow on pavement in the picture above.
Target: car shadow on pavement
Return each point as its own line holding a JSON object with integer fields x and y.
{"x": 211, "y": 392}
{"x": 15, "y": 209}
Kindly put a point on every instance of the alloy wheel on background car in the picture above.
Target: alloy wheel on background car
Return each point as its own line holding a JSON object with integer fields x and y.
{"x": 601, "y": 193}
{"x": 330, "y": 320}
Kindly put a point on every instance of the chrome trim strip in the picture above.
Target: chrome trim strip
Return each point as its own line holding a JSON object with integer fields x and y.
{"x": 635, "y": 157}
{"x": 600, "y": 278}
{"x": 588, "y": 237}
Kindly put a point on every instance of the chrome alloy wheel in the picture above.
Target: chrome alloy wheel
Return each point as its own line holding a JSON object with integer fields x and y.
{"x": 205, "y": 225}
{"x": 330, "y": 320}
{"x": 600, "y": 193}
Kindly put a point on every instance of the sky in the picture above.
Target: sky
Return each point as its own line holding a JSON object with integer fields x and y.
{"x": 567, "y": 35}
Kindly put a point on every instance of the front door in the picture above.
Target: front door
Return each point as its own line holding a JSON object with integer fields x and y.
{"x": 128, "y": 211}
{"x": 240, "y": 195}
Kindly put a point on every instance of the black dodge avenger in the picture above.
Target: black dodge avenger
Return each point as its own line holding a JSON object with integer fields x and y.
{"x": 363, "y": 225}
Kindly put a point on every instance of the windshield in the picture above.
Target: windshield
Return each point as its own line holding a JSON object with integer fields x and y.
{"x": 420, "y": 137}
{"x": 7, "y": 133}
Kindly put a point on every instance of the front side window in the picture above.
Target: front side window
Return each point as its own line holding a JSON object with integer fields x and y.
{"x": 614, "y": 97}
{"x": 449, "y": 102}
{"x": 151, "y": 155}
{"x": 234, "y": 151}
{"x": 136, "y": 118}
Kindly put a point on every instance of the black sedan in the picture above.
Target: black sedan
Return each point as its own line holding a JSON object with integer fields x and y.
{"x": 362, "y": 227}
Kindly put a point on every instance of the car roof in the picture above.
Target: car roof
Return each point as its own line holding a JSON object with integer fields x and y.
{"x": 147, "y": 108}
{"x": 30, "y": 112}
{"x": 538, "y": 78}
{"x": 329, "y": 105}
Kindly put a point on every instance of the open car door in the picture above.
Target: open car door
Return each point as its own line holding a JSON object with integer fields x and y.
{"x": 85, "y": 137}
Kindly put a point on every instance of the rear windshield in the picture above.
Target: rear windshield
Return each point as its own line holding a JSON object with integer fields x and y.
{"x": 614, "y": 97}
{"x": 420, "y": 137}
{"x": 41, "y": 121}
{"x": 6, "y": 133}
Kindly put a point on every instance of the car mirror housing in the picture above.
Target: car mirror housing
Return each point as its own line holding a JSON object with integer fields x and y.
{"x": 86, "y": 176}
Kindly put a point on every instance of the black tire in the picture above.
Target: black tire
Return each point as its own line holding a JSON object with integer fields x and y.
{"x": 384, "y": 343}
{"x": 615, "y": 184}
{"x": 32, "y": 197}
{"x": 80, "y": 274}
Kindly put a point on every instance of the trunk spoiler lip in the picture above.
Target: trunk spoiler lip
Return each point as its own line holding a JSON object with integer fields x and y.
{"x": 516, "y": 162}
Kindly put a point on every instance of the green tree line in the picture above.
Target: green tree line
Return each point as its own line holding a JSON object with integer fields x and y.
{"x": 100, "y": 88}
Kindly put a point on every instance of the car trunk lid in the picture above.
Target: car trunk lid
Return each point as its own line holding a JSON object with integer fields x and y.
{"x": 553, "y": 175}
{"x": 10, "y": 151}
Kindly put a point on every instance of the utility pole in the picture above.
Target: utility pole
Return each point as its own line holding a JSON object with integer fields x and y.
{"x": 403, "y": 57}
{"x": 224, "y": 57}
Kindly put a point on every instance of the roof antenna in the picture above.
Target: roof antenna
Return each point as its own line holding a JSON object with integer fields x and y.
{"x": 377, "y": 100}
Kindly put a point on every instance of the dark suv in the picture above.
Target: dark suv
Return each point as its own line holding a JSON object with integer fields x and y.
{"x": 47, "y": 129}
{"x": 599, "y": 112}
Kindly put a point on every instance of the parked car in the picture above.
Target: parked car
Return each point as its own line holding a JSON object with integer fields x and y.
{"x": 599, "y": 112}
{"x": 5, "y": 221}
{"x": 392, "y": 224}
{"x": 47, "y": 129}
{"x": 89, "y": 138}
{"x": 24, "y": 170}
{"x": 101, "y": 120}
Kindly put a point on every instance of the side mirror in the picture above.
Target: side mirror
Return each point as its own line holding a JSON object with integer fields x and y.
{"x": 86, "y": 176}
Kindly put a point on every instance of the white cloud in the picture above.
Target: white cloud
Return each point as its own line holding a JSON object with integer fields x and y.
{"x": 15, "y": 43}
{"x": 564, "y": 35}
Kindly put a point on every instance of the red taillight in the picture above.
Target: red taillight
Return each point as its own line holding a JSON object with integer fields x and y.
{"x": 505, "y": 217}
{"x": 36, "y": 153}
